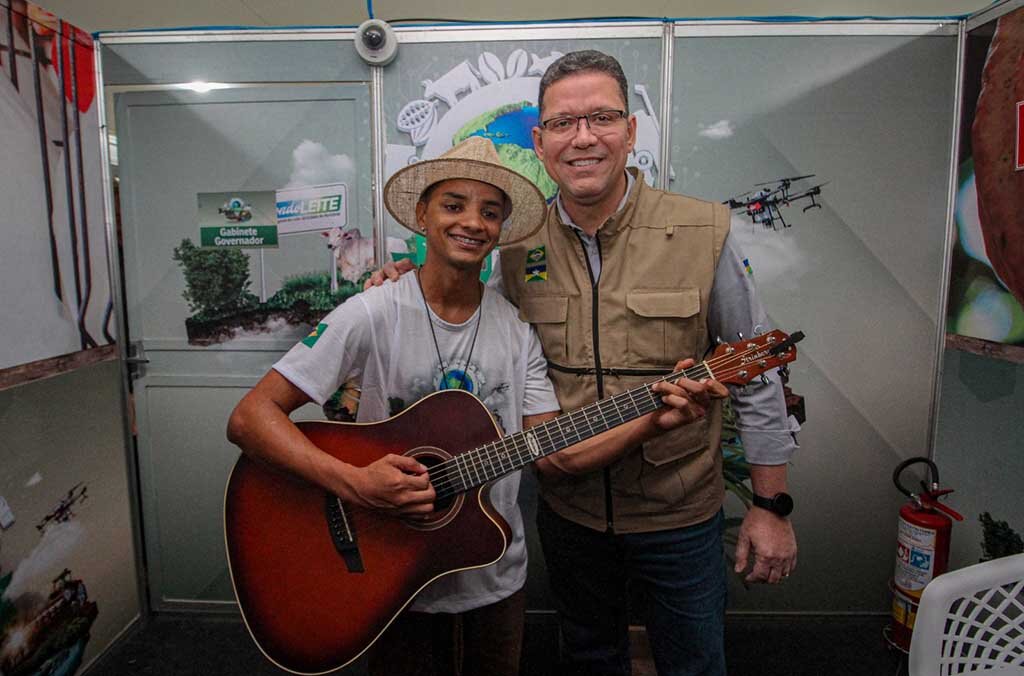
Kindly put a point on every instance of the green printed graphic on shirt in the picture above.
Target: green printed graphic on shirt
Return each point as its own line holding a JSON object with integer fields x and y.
{"x": 314, "y": 335}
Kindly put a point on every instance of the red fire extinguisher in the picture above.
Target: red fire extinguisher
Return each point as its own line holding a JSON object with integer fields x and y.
{"x": 922, "y": 549}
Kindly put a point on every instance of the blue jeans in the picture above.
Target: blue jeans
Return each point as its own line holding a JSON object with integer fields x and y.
{"x": 681, "y": 576}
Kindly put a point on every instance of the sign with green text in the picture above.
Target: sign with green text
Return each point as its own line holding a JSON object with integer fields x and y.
{"x": 243, "y": 219}
{"x": 238, "y": 235}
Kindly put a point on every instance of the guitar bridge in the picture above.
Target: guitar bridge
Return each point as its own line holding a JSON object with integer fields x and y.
{"x": 343, "y": 535}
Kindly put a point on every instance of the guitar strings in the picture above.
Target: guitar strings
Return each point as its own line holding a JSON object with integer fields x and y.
{"x": 480, "y": 461}
{"x": 478, "y": 466}
{"x": 452, "y": 483}
{"x": 367, "y": 519}
{"x": 448, "y": 483}
{"x": 485, "y": 457}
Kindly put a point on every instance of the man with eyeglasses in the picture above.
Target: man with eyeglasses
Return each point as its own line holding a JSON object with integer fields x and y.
{"x": 621, "y": 282}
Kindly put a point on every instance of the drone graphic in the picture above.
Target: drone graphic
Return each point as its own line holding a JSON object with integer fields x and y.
{"x": 764, "y": 204}
{"x": 62, "y": 512}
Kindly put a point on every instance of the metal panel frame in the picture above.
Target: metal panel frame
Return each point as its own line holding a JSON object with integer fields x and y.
{"x": 708, "y": 29}
{"x": 665, "y": 108}
{"x": 992, "y": 13}
{"x": 222, "y": 35}
{"x": 114, "y": 266}
{"x": 556, "y": 31}
{"x": 377, "y": 131}
{"x": 951, "y": 235}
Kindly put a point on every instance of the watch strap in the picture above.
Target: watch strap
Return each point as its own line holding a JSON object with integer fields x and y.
{"x": 780, "y": 503}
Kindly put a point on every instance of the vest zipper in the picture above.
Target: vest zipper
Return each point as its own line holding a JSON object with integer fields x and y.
{"x": 609, "y": 512}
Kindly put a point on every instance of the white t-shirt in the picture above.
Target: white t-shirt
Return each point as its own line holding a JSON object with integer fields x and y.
{"x": 382, "y": 338}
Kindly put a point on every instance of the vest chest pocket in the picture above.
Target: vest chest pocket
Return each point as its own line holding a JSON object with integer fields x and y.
{"x": 548, "y": 315}
{"x": 664, "y": 325}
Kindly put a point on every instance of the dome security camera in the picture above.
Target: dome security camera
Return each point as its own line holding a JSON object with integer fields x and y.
{"x": 376, "y": 42}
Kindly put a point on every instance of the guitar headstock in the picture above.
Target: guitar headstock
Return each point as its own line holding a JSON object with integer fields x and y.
{"x": 740, "y": 362}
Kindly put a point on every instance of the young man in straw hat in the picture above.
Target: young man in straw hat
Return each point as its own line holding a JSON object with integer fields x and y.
{"x": 437, "y": 329}
{"x": 434, "y": 330}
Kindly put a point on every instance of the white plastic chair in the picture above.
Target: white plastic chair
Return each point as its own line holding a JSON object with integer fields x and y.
{"x": 971, "y": 621}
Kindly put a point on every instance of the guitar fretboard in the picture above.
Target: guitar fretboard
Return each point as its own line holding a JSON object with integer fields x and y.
{"x": 498, "y": 458}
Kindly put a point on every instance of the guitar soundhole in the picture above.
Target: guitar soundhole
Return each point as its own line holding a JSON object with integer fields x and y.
{"x": 448, "y": 504}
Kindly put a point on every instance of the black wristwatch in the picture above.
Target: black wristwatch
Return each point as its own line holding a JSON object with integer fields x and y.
{"x": 780, "y": 503}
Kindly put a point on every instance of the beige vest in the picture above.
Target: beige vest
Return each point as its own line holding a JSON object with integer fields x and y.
{"x": 649, "y": 310}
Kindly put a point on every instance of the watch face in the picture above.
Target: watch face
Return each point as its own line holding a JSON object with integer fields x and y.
{"x": 782, "y": 504}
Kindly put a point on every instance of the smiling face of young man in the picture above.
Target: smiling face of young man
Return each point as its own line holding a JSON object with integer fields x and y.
{"x": 587, "y": 164}
{"x": 462, "y": 220}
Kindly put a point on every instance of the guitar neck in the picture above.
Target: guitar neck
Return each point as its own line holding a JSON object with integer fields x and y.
{"x": 515, "y": 451}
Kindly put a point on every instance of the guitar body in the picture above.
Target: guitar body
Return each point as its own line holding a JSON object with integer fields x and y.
{"x": 301, "y": 592}
{"x": 318, "y": 581}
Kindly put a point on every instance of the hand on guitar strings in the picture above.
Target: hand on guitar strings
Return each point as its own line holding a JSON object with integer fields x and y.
{"x": 394, "y": 483}
{"x": 685, "y": 400}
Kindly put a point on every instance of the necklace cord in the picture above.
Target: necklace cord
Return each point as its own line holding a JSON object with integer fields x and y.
{"x": 437, "y": 348}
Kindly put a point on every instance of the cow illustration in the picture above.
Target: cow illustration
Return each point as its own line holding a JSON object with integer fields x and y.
{"x": 353, "y": 255}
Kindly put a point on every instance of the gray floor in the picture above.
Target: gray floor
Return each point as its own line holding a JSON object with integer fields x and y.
{"x": 181, "y": 645}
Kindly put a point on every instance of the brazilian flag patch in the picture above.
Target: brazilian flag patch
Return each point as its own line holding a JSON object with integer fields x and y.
{"x": 314, "y": 335}
{"x": 746, "y": 266}
{"x": 536, "y": 265}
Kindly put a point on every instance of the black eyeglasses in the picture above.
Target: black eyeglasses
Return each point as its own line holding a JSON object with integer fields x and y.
{"x": 599, "y": 122}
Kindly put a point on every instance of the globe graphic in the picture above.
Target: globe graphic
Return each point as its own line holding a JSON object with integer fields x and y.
{"x": 510, "y": 128}
{"x": 515, "y": 126}
{"x": 457, "y": 379}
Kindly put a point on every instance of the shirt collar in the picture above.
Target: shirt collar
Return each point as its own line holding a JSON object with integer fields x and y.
{"x": 564, "y": 215}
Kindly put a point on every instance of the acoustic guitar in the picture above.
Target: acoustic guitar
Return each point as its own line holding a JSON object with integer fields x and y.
{"x": 318, "y": 580}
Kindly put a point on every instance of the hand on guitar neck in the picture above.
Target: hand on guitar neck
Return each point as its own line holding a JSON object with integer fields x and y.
{"x": 685, "y": 400}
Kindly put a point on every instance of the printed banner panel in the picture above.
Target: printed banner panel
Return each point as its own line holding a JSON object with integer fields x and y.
{"x": 986, "y": 293}
{"x": 53, "y": 260}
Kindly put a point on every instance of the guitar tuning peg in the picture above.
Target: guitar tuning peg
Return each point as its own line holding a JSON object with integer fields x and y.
{"x": 718, "y": 340}
{"x": 784, "y": 371}
{"x": 764, "y": 379}
{"x": 739, "y": 335}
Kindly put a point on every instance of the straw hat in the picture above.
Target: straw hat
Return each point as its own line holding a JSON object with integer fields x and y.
{"x": 476, "y": 159}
